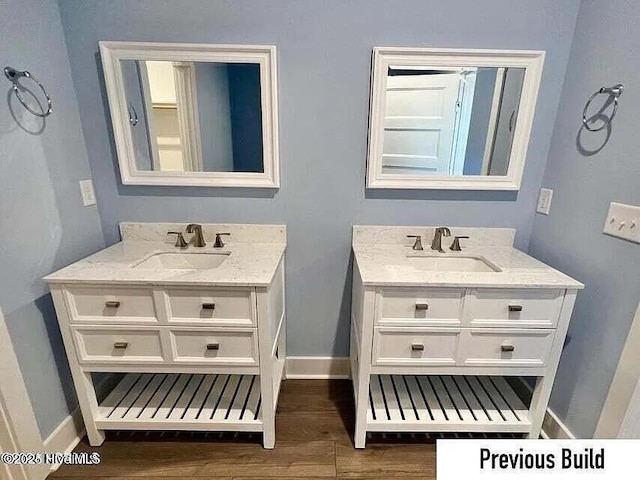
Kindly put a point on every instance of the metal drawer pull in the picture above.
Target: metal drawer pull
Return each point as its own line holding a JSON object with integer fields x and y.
{"x": 515, "y": 308}
{"x": 422, "y": 306}
{"x": 208, "y": 306}
{"x": 213, "y": 346}
{"x": 417, "y": 347}
{"x": 112, "y": 304}
{"x": 507, "y": 348}
{"x": 120, "y": 345}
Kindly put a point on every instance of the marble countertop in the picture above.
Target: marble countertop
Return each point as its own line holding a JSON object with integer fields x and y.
{"x": 390, "y": 265}
{"x": 254, "y": 252}
{"x": 383, "y": 256}
{"x": 248, "y": 264}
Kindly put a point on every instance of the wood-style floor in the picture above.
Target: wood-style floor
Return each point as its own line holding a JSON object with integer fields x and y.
{"x": 314, "y": 435}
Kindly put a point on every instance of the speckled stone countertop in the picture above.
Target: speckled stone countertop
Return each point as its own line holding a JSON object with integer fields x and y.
{"x": 254, "y": 254}
{"x": 382, "y": 255}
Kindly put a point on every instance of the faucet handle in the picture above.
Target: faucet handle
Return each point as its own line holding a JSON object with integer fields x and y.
{"x": 455, "y": 246}
{"x": 418, "y": 243}
{"x": 180, "y": 241}
{"x": 219, "y": 243}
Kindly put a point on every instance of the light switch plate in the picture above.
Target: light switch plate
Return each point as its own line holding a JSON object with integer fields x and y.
{"x": 623, "y": 221}
{"x": 544, "y": 201}
{"x": 88, "y": 195}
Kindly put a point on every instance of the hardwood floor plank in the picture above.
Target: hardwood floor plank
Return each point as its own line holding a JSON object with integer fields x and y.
{"x": 328, "y": 396}
{"x": 314, "y": 427}
{"x": 202, "y": 459}
{"x": 386, "y": 461}
{"x": 314, "y": 430}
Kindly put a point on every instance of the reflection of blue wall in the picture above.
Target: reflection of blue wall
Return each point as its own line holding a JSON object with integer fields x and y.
{"x": 481, "y": 110}
{"x": 246, "y": 117}
{"x": 214, "y": 115}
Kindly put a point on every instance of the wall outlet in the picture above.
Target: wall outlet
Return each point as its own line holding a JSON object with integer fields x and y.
{"x": 88, "y": 195}
{"x": 544, "y": 201}
{"x": 623, "y": 221}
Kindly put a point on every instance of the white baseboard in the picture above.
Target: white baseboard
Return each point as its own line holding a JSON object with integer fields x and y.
{"x": 552, "y": 426}
{"x": 318, "y": 367}
{"x": 66, "y": 436}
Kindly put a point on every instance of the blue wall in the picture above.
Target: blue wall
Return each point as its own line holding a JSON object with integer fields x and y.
{"x": 605, "y": 52}
{"x": 324, "y": 59}
{"x": 43, "y": 224}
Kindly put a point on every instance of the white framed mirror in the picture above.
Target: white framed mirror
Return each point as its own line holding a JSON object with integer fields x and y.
{"x": 451, "y": 119}
{"x": 194, "y": 114}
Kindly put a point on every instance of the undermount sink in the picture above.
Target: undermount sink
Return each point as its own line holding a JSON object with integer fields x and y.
{"x": 183, "y": 261}
{"x": 452, "y": 264}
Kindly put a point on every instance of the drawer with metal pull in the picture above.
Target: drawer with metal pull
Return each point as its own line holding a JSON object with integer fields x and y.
{"x": 491, "y": 347}
{"x": 216, "y": 347}
{"x": 108, "y": 304}
{"x": 416, "y": 346}
{"x": 219, "y": 306}
{"x": 420, "y": 307}
{"x": 522, "y": 308}
{"x": 104, "y": 345}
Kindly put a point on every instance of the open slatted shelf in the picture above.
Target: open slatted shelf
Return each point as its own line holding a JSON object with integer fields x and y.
{"x": 183, "y": 402}
{"x": 409, "y": 403}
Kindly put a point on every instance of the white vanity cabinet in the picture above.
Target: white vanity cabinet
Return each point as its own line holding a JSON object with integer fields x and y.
{"x": 431, "y": 354}
{"x": 190, "y": 356}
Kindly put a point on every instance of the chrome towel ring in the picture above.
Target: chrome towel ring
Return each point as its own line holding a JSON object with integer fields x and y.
{"x": 614, "y": 92}
{"x": 14, "y": 76}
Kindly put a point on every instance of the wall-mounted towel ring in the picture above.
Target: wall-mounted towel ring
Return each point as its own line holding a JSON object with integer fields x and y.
{"x": 614, "y": 92}
{"x": 14, "y": 76}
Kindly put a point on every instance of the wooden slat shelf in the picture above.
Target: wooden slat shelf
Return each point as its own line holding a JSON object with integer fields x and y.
{"x": 434, "y": 403}
{"x": 183, "y": 402}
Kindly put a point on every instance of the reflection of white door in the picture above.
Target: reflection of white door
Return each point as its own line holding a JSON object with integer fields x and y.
{"x": 426, "y": 123}
{"x": 169, "y": 90}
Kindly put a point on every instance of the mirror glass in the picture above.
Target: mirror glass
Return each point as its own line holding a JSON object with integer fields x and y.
{"x": 187, "y": 116}
{"x": 450, "y": 121}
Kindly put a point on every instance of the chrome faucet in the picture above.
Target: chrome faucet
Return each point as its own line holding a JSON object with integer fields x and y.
{"x": 436, "y": 244}
{"x": 198, "y": 238}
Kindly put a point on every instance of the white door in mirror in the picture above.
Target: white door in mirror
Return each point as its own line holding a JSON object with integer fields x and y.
{"x": 623, "y": 221}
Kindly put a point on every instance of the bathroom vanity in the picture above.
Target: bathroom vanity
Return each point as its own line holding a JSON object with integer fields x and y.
{"x": 439, "y": 338}
{"x": 198, "y": 333}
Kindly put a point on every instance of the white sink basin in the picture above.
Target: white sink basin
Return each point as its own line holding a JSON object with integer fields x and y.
{"x": 452, "y": 264}
{"x": 183, "y": 261}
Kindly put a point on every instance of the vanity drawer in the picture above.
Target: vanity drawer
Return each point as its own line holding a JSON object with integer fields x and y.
{"x": 425, "y": 346}
{"x": 421, "y": 307}
{"x": 102, "y": 345}
{"x": 232, "y": 307}
{"x": 491, "y": 347}
{"x": 110, "y": 304}
{"x": 523, "y": 308}
{"x": 219, "y": 347}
